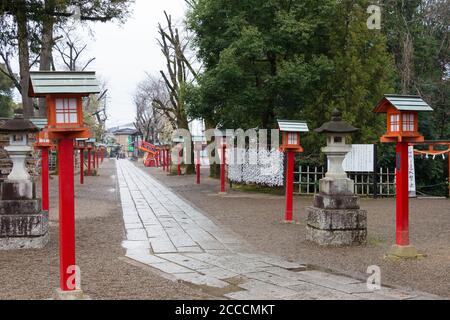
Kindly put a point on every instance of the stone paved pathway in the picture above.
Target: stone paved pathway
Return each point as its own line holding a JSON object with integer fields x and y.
{"x": 166, "y": 233}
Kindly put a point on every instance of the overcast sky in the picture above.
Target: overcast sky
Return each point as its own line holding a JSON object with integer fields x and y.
{"x": 124, "y": 53}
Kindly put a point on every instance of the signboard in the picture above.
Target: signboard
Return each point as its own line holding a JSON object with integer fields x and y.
{"x": 130, "y": 144}
{"x": 411, "y": 173}
{"x": 360, "y": 159}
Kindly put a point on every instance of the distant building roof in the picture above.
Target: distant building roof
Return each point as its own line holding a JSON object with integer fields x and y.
{"x": 293, "y": 126}
{"x": 43, "y": 83}
{"x": 402, "y": 103}
{"x": 125, "y": 132}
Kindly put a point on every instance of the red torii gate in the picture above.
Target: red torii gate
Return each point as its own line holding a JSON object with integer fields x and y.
{"x": 152, "y": 154}
{"x": 433, "y": 152}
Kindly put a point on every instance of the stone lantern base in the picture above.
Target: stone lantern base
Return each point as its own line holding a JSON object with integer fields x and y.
{"x": 23, "y": 224}
{"x": 336, "y": 218}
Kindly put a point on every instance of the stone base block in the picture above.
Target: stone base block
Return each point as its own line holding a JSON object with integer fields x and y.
{"x": 337, "y": 227}
{"x": 325, "y": 201}
{"x": 17, "y": 190}
{"x": 337, "y": 186}
{"x": 24, "y": 243}
{"x": 69, "y": 295}
{"x": 22, "y": 207}
{"x": 403, "y": 252}
{"x": 337, "y": 237}
{"x": 348, "y": 219}
{"x": 24, "y": 225}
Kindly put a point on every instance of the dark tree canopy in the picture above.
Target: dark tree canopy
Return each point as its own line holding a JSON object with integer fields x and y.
{"x": 288, "y": 59}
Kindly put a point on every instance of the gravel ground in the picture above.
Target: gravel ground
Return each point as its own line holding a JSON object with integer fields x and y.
{"x": 105, "y": 274}
{"x": 256, "y": 218}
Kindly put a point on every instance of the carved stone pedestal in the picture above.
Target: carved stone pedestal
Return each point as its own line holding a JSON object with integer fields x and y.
{"x": 336, "y": 218}
{"x": 23, "y": 224}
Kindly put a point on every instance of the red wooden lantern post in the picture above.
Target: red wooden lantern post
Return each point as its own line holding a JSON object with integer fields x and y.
{"x": 158, "y": 158}
{"x": 44, "y": 144}
{"x": 291, "y": 145}
{"x": 402, "y": 128}
{"x": 64, "y": 92}
{"x": 180, "y": 150}
{"x": 94, "y": 153}
{"x": 168, "y": 159}
{"x": 81, "y": 145}
{"x": 164, "y": 159}
{"x": 89, "y": 163}
{"x": 98, "y": 158}
{"x": 198, "y": 149}
{"x": 222, "y": 141}
{"x": 223, "y": 163}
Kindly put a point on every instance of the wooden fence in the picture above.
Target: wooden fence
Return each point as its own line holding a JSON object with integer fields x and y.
{"x": 367, "y": 184}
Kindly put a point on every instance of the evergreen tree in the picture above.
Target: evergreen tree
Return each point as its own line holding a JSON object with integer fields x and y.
{"x": 6, "y": 95}
{"x": 289, "y": 59}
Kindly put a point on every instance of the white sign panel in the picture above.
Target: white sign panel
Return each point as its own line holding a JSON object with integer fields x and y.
{"x": 360, "y": 159}
{"x": 411, "y": 172}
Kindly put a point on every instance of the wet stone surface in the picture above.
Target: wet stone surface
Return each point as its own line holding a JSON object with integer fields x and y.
{"x": 187, "y": 246}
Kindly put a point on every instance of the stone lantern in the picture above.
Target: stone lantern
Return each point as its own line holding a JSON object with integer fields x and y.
{"x": 18, "y": 130}
{"x": 337, "y": 132}
{"x": 336, "y": 218}
{"x": 23, "y": 225}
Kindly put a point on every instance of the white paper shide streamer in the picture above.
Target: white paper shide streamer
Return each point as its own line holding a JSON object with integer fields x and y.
{"x": 253, "y": 166}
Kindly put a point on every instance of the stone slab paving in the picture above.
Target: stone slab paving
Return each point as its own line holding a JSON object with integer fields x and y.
{"x": 168, "y": 234}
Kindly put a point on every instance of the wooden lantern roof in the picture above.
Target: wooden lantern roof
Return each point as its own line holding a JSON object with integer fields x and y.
{"x": 293, "y": 126}
{"x": 41, "y": 123}
{"x": 402, "y": 103}
{"x": 43, "y": 83}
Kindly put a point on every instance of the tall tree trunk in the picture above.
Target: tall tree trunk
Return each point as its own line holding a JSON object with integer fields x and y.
{"x": 183, "y": 123}
{"x": 46, "y": 50}
{"x": 407, "y": 63}
{"x": 24, "y": 62}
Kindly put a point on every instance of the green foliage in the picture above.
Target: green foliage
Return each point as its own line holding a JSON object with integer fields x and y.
{"x": 289, "y": 59}
{"x": 6, "y": 94}
{"x": 427, "y": 23}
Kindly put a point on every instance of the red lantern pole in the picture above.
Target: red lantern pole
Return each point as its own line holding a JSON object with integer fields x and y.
{"x": 158, "y": 159}
{"x": 402, "y": 197}
{"x": 222, "y": 170}
{"x": 66, "y": 213}
{"x": 81, "y": 165}
{"x": 164, "y": 159}
{"x": 198, "y": 167}
{"x": 168, "y": 160}
{"x": 97, "y": 157}
{"x": 89, "y": 162}
{"x": 93, "y": 158}
{"x": 44, "y": 179}
{"x": 289, "y": 186}
{"x": 179, "y": 163}
{"x": 169, "y": 164}
{"x": 103, "y": 154}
